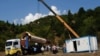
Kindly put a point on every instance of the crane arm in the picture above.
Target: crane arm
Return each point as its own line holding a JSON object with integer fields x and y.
{"x": 61, "y": 20}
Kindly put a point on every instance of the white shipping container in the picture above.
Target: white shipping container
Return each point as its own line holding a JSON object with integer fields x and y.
{"x": 87, "y": 43}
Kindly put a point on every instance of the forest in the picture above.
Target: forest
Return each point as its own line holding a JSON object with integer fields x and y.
{"x": 84, "y": 22}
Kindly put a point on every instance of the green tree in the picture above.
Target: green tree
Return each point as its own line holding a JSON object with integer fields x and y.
{"x": 88, "y": 29}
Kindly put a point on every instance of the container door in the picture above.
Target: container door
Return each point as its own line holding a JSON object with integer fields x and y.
{"x": 75, "y": 45}
{"x": 70, "y": 46}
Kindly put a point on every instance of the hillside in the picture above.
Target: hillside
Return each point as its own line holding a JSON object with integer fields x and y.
{"x": 83, "y": 22}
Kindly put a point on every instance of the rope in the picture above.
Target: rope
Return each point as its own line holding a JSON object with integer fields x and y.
{"x": 38, "y": 7}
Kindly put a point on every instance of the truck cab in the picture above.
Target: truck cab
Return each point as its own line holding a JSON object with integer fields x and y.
{"x": 13, "y": 47}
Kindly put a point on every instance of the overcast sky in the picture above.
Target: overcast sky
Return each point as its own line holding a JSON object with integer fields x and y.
{"x": 25, "y": 11}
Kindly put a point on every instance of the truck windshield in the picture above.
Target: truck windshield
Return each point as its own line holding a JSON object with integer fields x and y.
{"x": 9, "y": 43}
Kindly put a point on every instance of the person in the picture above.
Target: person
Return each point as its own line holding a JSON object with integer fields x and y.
{"x": 47, "y": 48}
{"x": 54, "y": 49}
{"x": 42, "y": 49}
{"x": 34, "y": 50}
{"x": 64, "y": 48}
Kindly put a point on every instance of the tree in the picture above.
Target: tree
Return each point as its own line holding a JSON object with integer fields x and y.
{"x": 89, "y": 12}
{"x": 81, "y": 12}
{"x": 97, "y": 17}
{"x": 71, "y": 20}
{"x": 88, "y": 29}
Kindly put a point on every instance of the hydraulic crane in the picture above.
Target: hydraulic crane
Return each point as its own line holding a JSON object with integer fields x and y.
{"x": 61, "y": 20}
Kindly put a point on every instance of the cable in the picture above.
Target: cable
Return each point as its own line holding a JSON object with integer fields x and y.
{"x": 38, "y": 7}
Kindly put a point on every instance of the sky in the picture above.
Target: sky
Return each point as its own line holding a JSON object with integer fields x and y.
{"x": 26, "y": 11}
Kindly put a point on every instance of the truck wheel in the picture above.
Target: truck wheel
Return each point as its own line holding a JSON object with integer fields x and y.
{"x": 25, "y": 52}
{"x": 18, "y": 53}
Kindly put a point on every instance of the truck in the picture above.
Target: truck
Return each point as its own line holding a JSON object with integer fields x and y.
{"x": 22, "y": 46}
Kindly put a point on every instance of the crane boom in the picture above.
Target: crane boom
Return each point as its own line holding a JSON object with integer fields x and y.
{"x": 61, "y": 20}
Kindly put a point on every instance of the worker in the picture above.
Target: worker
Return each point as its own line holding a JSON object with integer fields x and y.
{"x": 54, "y": 49}
{"x": 64, "y": 48}
{"x": 42, "y": 49}
{"x": 34, "y": 48}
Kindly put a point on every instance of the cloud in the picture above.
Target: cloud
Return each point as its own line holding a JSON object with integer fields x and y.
{"x": 29, "y": 18}
{"x": 64, "y": 12}
{"x": 16, "y": 21}
{"x": 54, "y": 8}
{"x": 32, "y": 17}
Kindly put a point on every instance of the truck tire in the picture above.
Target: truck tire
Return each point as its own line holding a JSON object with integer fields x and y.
{"x": 24, "y": 52}
{"x": 18, "y": 53}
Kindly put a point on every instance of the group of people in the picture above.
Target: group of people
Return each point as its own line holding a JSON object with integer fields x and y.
{"x": 47, "y": 48}
{"x": 39, "y": 48}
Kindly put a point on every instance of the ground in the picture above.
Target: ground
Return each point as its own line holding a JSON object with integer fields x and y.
{"x": 69, "y": 54}
{"x": 62, "y": 54}
{"x": 97, "y": 53}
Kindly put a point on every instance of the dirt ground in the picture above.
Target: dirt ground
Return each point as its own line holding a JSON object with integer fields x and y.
{"x": 60, "y": 53}
{"x": 63, "y": 54}
{"x": 69, "y": 54}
